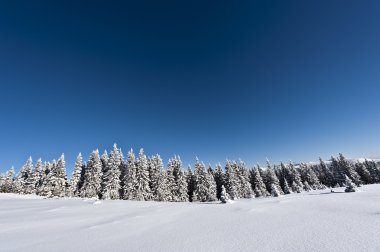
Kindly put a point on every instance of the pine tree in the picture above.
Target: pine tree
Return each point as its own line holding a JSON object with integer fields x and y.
{"x": 272, "y": 179}
{"x": 58, "y": 179}
{"x": 364, "y": 174}
{"x": 286, "y": 187}
{"x": 158, "y": 180}
{"x": 309, "y": 176}
{"x": 350, "y": 186}
{"x": 190, "y": 179}
{"x": 219, "y": 180}
{"x": 224, "y": 195}
{"x": 338, "y": 173}
{"x": 373, "y": 170}
{"x": 7, "y": 185}
{"x": 38, "y": 174}
{"x": 257, "y": 183}
{"x": 25, "y": 181}
{"x": 177, "y": 180}
{"x": 111, "y": 188}
{"x": 295, "y": 178}
{"x": 92, "y": 177}
{"x": 130, "y": 189}
{"x": 140, "y": 184}
{"x": 104, "y": 158}
{"x": 76, "y": 181}
{"x": 307, "y": 187}
{"x": 274, "y": 191}
{"x": 245, "y": 187}
{"x": 231, "y": 181}
{"x": 327, "y": 176}
{"x": 44, "y": 189}
{"x": 349, "y": 170}
{"x": 204, "y": 184}
{"x": 211, "y": 184}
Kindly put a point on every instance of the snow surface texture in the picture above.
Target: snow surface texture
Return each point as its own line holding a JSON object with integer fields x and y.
{"x": 314, "y": 221}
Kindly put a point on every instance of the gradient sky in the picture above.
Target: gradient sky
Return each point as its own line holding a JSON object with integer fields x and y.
{"x": 214, "y": 79}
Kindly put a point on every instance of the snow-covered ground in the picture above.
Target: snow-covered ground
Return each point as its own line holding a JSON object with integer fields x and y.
{"x": 315, "y": 221}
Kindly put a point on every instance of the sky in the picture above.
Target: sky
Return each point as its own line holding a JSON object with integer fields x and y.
{"x": 283, "y": 80}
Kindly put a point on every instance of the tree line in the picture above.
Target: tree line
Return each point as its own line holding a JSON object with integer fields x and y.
{"x": 112, "y": 177}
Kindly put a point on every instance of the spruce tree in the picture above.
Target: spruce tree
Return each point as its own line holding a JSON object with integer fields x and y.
{"x": 38, "y": 174}
{"x": 224, "y": 195}
{"x": 274, "y": 191}
{"x": 349, "y": 170}
{"x": 111, "y": 188}
{"x": 58, "y": 179}
{"x": 130, "y": 189}
{"x": 8, "y": 182}
{"x": 141, "y": 182}
{"x": 350, "y": 186}
{"x": 308, "y": 175}
{"x": 158, "y": 180}
{"x": 245, "y": 187}
{"x": 272, "y": 179}
{"x": 76, "y": 181}
{"x": 338, "y": 173}
{"x": 177, "y": 180}
{"x": 219, "y": 180}
{"x": 327, "y": 176}
{"x": 24, "y": 180}
{"x": 190, "y": 179}
{"x": 231, "y": 182}
{"x": 257, "y": 182}
{"x": 92, "y": 177}
{"x": 364, "y": 174}
{"x": 373, "y": 170}
{"x": 204, "y": 184}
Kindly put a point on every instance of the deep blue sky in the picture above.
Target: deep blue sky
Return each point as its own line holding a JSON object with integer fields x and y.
{"x": 235, "y": 79}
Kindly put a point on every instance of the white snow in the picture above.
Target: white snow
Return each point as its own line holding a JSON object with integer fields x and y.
{"x": 314, "y": 221}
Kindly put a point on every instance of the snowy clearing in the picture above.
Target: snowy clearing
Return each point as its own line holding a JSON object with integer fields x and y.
{"x": 314, "y": 221}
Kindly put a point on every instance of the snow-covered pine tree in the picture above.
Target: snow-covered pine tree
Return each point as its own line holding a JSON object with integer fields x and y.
{"x": 38, "y": 174}
{"x": 364, "y": 174}
{"x": 286, "y": 188}
{"x": 257, "y": 183}
{"x": 202, "y": 184}
{"x": 350, "y": 186}
{"x": 130, "y": 191}
{"x": 177, "y": 180}
{"x": 373, "y": 170}
{"x": 31, "y": 181}
{"x": 219, "y": 180}
{"x": 271, "y": 178}
{"x": 58, "y": 179}
{"x": 231, "y": 181}
{"x": 307, "y": 187}
{"x": 92, "y": 178}
{"x": 44, "y": 189}
{"x": 326, "y": 175}
{"x": 111, "y": 188}
{"x": 274, "y": 191}
{"x": 123, "y": 173}
{"x": 308, "y": 175}
{"x": 141, "y": 182}
{"x": 22, "y": 183}
{"x": 349, "y": 170}
{"x": 104, "y": 158}
{"x": 224, "y": 195}
{"x": 245, "y": 187}
{"x": 211, "y": 184}
{"x": 338, "y": 173}
{"x": 158, "y": 180}
{"x": 295, "y": 178}
{"x": 190, "y": 179}
{"x": 76, "y": 180}
{"x": 7, "y": 185}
